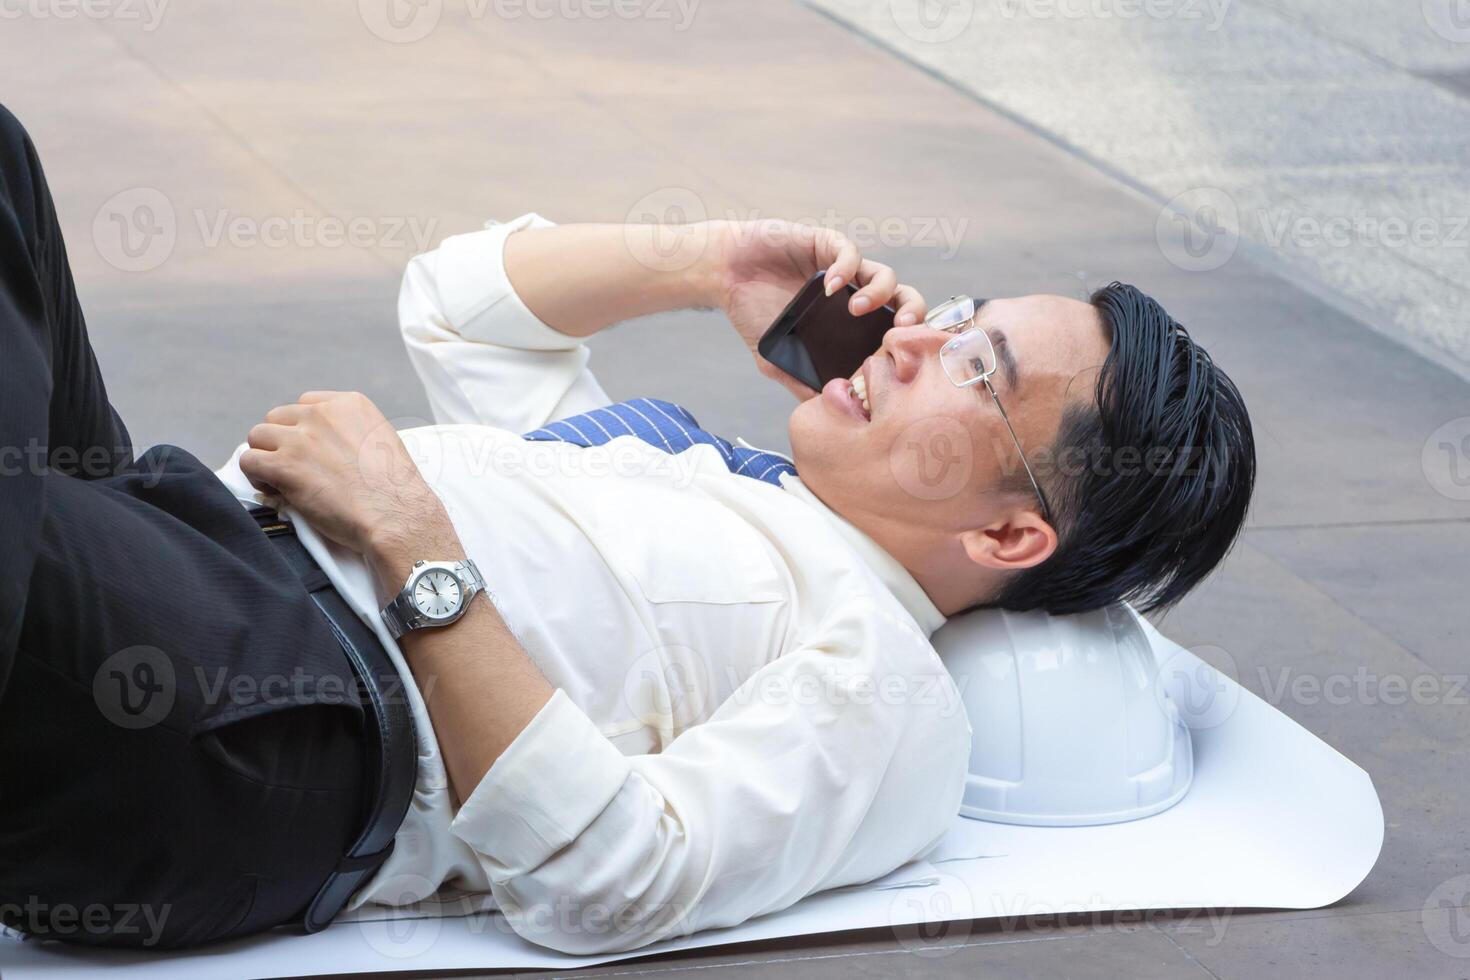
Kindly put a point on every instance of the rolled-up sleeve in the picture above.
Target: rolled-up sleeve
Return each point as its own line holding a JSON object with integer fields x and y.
{"x": 830, "y": 766}
{"x": 482, "y": 355}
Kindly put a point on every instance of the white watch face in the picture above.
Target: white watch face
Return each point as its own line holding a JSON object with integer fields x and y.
{"x": 436, "y": 594}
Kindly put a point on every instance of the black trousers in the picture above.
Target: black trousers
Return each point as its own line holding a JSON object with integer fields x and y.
{"x": 177, "y": 762}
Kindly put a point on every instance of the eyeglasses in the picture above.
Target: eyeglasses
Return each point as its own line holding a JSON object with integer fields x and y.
{"x": 969, "y": 359}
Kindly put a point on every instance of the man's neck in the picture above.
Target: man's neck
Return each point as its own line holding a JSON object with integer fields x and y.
{"x": 936, "y": 561}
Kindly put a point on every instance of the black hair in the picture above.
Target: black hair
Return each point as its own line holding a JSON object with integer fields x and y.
{"x": 1148, "y": 485}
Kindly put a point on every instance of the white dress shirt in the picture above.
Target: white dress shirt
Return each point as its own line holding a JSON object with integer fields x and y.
{"x": 747, "y": 706}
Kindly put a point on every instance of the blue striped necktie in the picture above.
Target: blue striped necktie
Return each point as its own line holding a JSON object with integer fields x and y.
{"x": 665, "y": 426}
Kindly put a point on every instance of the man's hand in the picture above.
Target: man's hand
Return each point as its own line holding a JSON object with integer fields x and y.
{"x": 760, "y": 265}
{"x": 334, "y": 458}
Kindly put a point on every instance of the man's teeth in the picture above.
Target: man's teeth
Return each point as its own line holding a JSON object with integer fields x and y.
{"x": 860, "y": 392}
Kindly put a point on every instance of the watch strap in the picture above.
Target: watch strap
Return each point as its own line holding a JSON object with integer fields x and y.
{"x": 399, "y": 615}
{"x": 469, "y": 575}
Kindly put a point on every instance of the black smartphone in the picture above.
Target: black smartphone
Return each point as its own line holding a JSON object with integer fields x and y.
{"x": 815, "y": 339}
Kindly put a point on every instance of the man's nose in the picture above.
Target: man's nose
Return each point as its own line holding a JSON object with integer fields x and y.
{"x": 910, "y": 347}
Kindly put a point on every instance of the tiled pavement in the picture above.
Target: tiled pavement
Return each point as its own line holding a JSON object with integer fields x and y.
{"x": 275, "y": 118}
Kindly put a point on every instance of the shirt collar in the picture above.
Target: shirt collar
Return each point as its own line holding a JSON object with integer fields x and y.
{"x": 888, "y": 569}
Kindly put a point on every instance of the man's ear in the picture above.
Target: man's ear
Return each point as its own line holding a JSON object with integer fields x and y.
{"x": 1022, "y": 539}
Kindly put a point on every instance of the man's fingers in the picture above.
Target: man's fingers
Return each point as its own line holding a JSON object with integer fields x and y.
{"x": 313, "y": 397}
{"x": 878, "y": 282}
{"x": 267, "y": 435}
{"x": 287, "y": 414}
{"x": 840, "y": 256}
{"x": 909, "y": 305}
{"x": 261, "y": 468}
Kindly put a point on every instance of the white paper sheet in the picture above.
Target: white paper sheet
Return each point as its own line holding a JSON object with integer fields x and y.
{"x": 1275, "y": 819}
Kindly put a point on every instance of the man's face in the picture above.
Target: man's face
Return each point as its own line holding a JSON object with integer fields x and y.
{"x": 937, "y": 459}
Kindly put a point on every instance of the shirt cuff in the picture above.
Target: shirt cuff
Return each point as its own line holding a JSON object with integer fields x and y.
{"x": 477, "y": 297}
{"x": 543, "y": 791}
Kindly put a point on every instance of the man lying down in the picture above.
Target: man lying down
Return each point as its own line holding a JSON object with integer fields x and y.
{"x": 669, "y": 682}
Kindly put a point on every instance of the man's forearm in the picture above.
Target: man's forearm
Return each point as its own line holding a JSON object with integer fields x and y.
{"x": 580, "y": 278}
{"x": 480, "y": 686}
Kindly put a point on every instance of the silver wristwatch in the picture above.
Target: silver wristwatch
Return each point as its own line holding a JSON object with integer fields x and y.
{"x": 437, "y": 593}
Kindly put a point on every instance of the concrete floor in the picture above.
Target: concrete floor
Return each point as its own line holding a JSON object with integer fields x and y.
{"x": 1313, "y": 135}
{"x": 219, "y": 120}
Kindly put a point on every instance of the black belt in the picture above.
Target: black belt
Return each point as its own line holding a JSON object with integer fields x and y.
{"x": 391, "y": 766}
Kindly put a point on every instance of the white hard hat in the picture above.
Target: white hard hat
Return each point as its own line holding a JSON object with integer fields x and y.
{"x": 1070, "y": 723}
